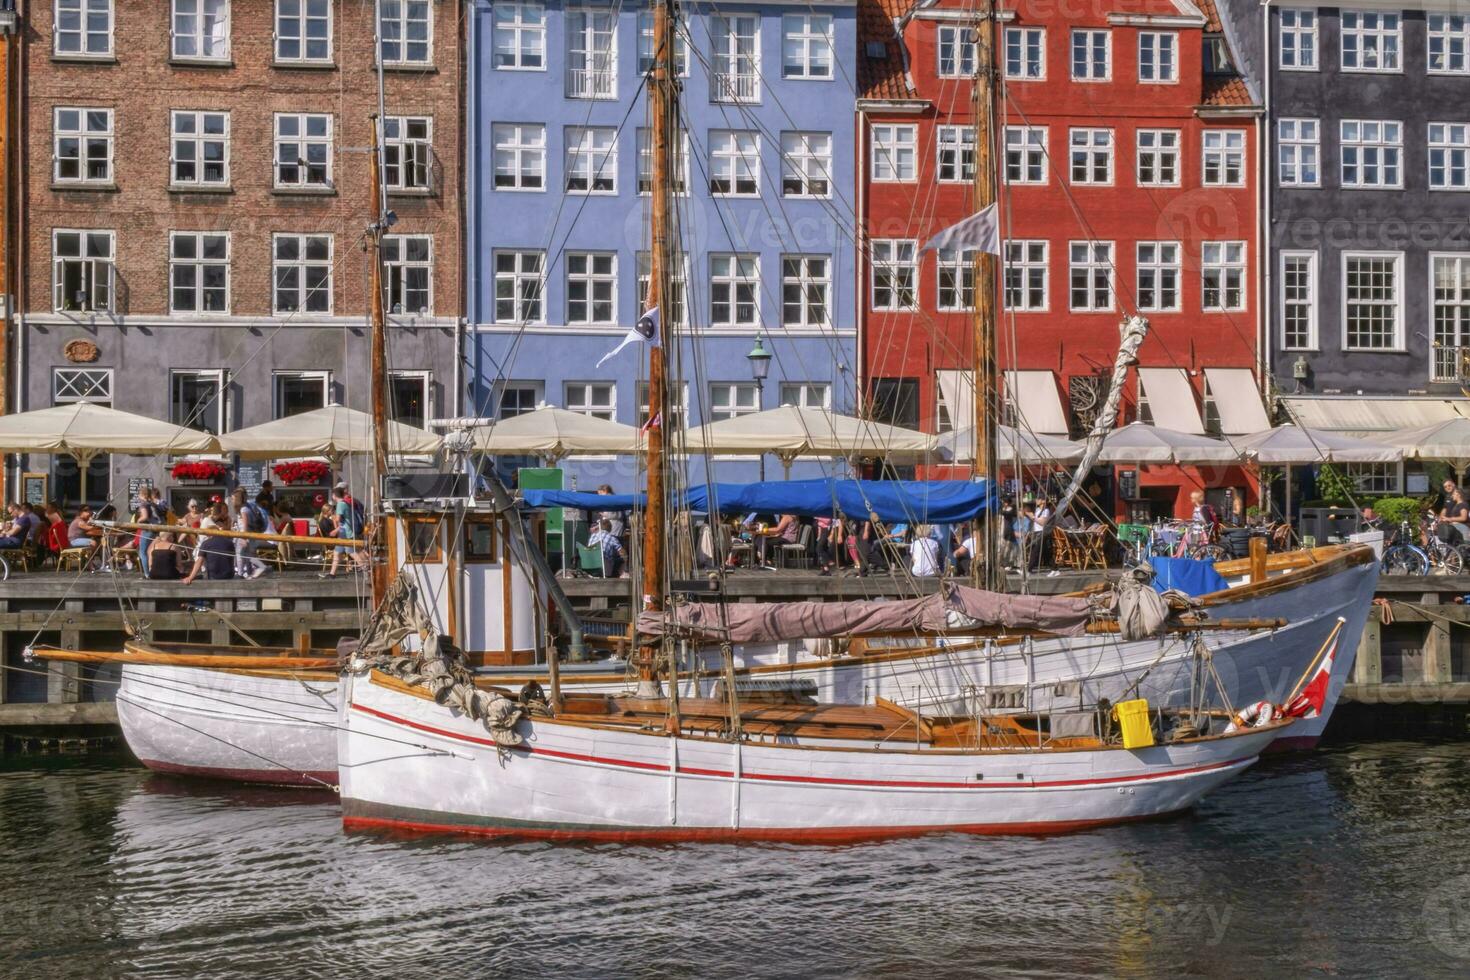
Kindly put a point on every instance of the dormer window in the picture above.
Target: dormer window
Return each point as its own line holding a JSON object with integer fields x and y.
{"x": 1217, "y": 60}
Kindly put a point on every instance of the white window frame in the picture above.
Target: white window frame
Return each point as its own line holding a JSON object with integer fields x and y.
{"x": 735, "y": 157}
{"x": 807, "y": 36}
{"x": 524, "y": 158}
{"x": 645, "y": 47}
{"x": 524, "y": 404}
{"x": 1021, "y": 261}
{"x": 1220, "y": 259}
{"x": 597, "y": 275}
{"x": 955, "y": 51}
{"x": 1450, "y": 355}
{"x": 1025, "y": 154}
{"x": 519, "y": 279}
{"x": 199, "y": 36}
{"x": 676, "y": 307}
{"x": 84, "y": 36}
{"x": 1163, "y": 262}
{"x": 395, "y": 30}
{"x": 585, "y": 29}
{"x": 304, "y": 144}
{"x": 1092, "y": 70}
{"x": 1312, "y": 288}
{"x": 396, "y": 269}
{"x": 735, "y": 276}
{"x": 198, "y": 264}
{"x": 735, "y": 57}
{"x": 324, "y": 377}
{"x": 957, "y": 267}
{"x": 1165, "y": 149}
{"x": 1298, "y": 150}
{"x": 1374, "y": 478}
{"x": 1300, "y": 24}
{"x": 218, "y": 406}
{"x": 733, "y": 392}
{"x": 85, "y": 137}
{"x": 95, "y": 268}
{"x": 806, "y": 160}
{"x": 591, "y": 155}
{"x": 1158, "y": 57}
{"x": 302, "y": 265}
{"x": 199, "y": 141}
{"x": 954, "y": 154}
{"x": 1397, "y": 260}
{"x": 679, "y": 179}
{"x": 1021, "y": 44}
{"x": 583, "y": 397}
{"x": 1095, "y": 146}
{"x": 425, "y": 381}
{"x": 895, "y": 156}
{"x": 798, "y": 394}
{"x": 405, "y": 154}
{"x": 1097, "y": 257}
{"x": 678, "y": 406}
{"x": 1386, "y": 47}
{"x": 1450, "y": 33}
{"x": 301, "y": 23}
{"x": 1450, "y": 142}
{"x": 896, "y": 260}
{"x": 70, "y": 385}
{"x": 1382, "y": 141}
{"x": 517, "y": 28}
{"x": 804, "y": 282}
{"x": 1224, "y": 151}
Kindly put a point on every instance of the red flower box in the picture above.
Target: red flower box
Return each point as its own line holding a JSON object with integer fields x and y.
{"x": 204, "y": 470}
{"x": 305, "y": 471}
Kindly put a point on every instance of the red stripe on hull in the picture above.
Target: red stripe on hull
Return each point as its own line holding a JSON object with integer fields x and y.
{"x": 267, "y": 777}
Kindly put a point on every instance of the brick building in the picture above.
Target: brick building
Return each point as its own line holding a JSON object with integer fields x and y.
{"x": 194, "y": 193}
{"x": 1126, "y": 142}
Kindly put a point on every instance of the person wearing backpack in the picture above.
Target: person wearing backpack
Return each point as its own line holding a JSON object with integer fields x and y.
{"x": 350, "y": 521}
{"x": 249, "y": 516}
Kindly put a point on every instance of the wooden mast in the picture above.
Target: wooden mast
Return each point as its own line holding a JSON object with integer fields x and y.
{"x": 988, "y": 573}
{"x": 378, "y": 367}
{"x": 661, "y": 102}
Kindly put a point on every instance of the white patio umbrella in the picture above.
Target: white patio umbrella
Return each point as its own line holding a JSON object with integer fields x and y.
{"x": 1012, "y": 446}
{"x": 333, "y": 431}
{"x": 552, "y": 433}
{"x": 791, "y": 431}
{"x": 1448, "y": 440}
{"x": 1288, "y": 445}
{"x": 1139, "y": 442}
{"x": 83, "y": 430}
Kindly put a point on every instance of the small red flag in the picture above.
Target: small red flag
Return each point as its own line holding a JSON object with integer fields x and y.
{"x": 1313, "y": 698}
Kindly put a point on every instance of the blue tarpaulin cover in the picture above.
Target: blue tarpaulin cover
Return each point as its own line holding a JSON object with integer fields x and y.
{"x": 583, "y": 500}
{"x": 1188, "y": 575}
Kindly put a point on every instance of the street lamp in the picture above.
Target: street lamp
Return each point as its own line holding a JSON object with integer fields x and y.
{"x": 760, "y": 367}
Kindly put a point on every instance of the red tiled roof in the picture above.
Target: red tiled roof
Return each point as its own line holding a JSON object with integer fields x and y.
{"x": 1212, "y": 16}
{"x": 1226, "y": 90}
{"x": 880, "y": 78}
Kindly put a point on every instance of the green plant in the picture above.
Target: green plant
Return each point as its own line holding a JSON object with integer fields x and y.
{"x": 1335, "y": 486}
{"x": 1253, "y": 511}
{"x": 1396, "y": 510}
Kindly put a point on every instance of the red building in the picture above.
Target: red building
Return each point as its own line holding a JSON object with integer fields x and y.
{"x": 1126, "y": 142}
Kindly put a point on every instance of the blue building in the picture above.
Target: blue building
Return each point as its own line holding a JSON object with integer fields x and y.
{"x": 557, "y": 209}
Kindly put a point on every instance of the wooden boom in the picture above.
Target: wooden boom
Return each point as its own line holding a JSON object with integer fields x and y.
{"x": 224, "y": 533}
{"x": 133, "y": 656}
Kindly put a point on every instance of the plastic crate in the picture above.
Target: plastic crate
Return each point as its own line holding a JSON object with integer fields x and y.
{"x": 1133, "y": 719}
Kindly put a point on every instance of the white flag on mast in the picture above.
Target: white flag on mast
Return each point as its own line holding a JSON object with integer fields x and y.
{"x": 645, "y": 330}
{"x": 980, "y": 230}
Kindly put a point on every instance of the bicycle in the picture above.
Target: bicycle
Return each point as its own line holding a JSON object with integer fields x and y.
{"x": 1404, "y": 557}
{"x": 1195, "y": 540}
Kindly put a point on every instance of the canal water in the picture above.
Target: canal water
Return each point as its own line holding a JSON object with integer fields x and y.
{"x": 1351, "y": 861}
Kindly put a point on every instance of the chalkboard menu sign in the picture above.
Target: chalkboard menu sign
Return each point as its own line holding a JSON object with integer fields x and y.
{"x": 135, "y": 484}
{"x": 34, "y": 487}
{"x": 1128, "y": 484}
{"x": 250, "y": 476}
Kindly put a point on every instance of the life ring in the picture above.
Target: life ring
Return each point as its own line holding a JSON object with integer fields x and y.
{"x": 1254, "y": 716}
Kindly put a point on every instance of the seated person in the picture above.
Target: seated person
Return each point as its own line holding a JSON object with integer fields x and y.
{"x": 612, "y": 549}
{"x": 787, "y": 530}
{"x": 164, "y": 558}
{"x": 964, "y": 555}
{"x": 82, "y": 533}
{"x": 216, "y": 559}
{"x": 1454, "y": 520}
{"x": 54, "y": 536}
{"x": 923, "y": 553}
{"x": 16, "y": 529}
{"x": 1370, "y": 519}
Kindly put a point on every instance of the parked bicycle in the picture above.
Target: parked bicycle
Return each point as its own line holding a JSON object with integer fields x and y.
{"x": 1408, "y": 557}
{"x": 1189, "y": 539}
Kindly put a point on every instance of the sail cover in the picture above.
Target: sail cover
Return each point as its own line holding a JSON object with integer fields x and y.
{"x": 583, "y": 500}
{"x": 958, "y": 606}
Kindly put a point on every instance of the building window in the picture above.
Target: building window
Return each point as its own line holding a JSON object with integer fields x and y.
{"x": 303, "y": 150}
{"x": 676, "y": 290}
{"x": 956, "y": 52}
{"x": 734, "y": 291}
{"x": 735, "y": 163}
{"x": 520, "y": 156}
{"x": 1026, "y": 154}
{"x": 806, "y": 285}
{"x": 1298, "y": 143}
{"x": 517, "y": 399}
{"x": 406, "y": 32}
{"x": 196, "y": 400}
{"x": 199, "y": 272}
{"x": 408, "y": 152}
{"x": 520, "y": 35}
{"x": 956, "y": 148}
{"x": 678, "y": 401}
{"x": 303, "y": 274}
{"x": 1451, "y": 316}
{"x": 83, "y": 28}
{"x": 806, "y": 395}
{"x": 592, "y": 54}
{"x": 895, "y": 154}
{"x": 1449, "y": 36}
{"x": 1025, "y": 53}
{"x": 1224, "y": 151}
{"x": 1371, "y": 302}
{"x": 1026, "y": 275}
{"x": 1090, "y": 269}
{"x": 593, "y": 398}
{"x": 1373, "y": 478}
{"x": 408, "y": 274}
{"x": 201, "y": 29}
{"x": 410, "y": 396}
{"x": 806, "y": 46}
{"x": 1158, "y": 158}
{"x": 200, "y": 154}
{"x": 645, "y": 47}
{"x": 735, "y": 44}
{"x": 806, "y": 164}
{"x": 1448, "y": 145}
{"x": 83, "y": 146}
{"x": 304, "y": 30}
{"x": 1092, "y": 156}
{"x": 728, "y": 401}
{"x": 82, "y": 271}
{"x": 518, "y": 278}
{"x": 895, "y": 274}
{"x": 1091, "y": 56}
{"x": 1222, "y": 275}
{"x": 296, "y": 392}
{"x": 956, "y": 279}
{"x": 1371, "y": 151}
{"x": 679, "y": 179}
{"x": 591, "y": 287}
{"x": 1370, "y": 41}
{"x": 592, "y": 159}
{"x": 72, "y": 385}
{"x": 896, "y": 401}
{"x": 1158, "y": 276}
{"x": 1158, "y": 59}
{"x": 1299, "y": 300}
{"x": 1298, "y": 39}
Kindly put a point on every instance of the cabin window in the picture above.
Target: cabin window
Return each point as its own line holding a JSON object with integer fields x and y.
{"x": 480, "y": 539}
{"x": 422, "y": 537}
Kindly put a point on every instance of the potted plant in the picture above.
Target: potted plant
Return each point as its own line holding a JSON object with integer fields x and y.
{"x": 199, "y": 471}
{"x": 302, "y": 471}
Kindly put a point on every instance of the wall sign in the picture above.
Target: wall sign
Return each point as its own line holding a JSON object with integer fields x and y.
{"x": 80, "y": 351}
